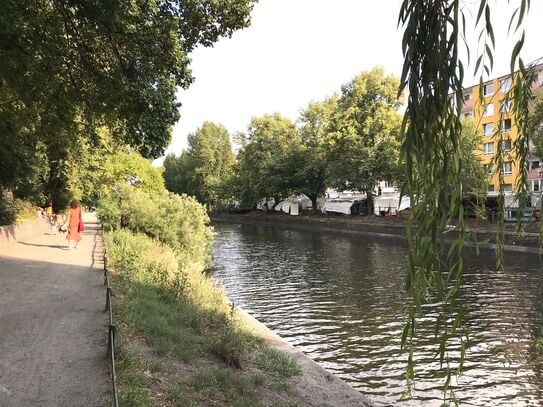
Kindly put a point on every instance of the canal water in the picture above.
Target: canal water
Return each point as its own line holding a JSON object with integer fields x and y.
{"x": 341, "y": 300}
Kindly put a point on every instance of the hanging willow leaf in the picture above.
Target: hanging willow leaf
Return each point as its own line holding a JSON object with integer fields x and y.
{"x": 516, "y": 51}
{"x": 432, "y": 74}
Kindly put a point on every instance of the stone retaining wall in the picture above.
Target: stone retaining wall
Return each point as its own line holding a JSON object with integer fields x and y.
{"x": 483, "y": 238}
{"x": 10, "y": 234}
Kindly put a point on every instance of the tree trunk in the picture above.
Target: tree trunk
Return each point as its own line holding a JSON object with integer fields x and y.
{"x": 313, "y": 198}
{"x": 369, "y": 200}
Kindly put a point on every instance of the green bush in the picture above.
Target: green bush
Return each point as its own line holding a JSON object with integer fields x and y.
{"x": 25, "y": 210}
{"x": 178, "y": 221}
{"x": 8, "y": 209}
{"x": 127, "y": 252}
{"x": 109, "y": 213}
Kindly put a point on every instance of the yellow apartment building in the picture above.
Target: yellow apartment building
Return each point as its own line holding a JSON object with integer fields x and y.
{"x": 495, "y": 122}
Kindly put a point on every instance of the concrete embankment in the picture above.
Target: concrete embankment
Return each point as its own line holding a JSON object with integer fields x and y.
{"x": 482, "y": 235}
{"x": 10, "y": 234}
{"x": 315, "y": 386}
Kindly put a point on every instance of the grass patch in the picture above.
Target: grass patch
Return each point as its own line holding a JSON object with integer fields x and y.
{"x": 131, "y": 379}
{"x": 273, "y": 361}
{"x": 227, "y": 386}
{"x": 165, "y": 327}
{"x": 186, "y": 320}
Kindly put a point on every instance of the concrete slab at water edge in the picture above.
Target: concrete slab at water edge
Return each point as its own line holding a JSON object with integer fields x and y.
{"x": 52, "y": 323}
{"x": 314, "y": 386}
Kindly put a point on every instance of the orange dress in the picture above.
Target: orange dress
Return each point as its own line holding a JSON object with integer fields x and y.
{"x": 73, "y": 225}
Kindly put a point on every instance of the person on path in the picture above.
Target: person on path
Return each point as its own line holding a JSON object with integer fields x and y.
{"x": 54, "y": 220}
{"x": 73, "y": 220}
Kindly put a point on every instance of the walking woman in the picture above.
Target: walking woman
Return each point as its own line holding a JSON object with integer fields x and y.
{"x": 74, "y": 221}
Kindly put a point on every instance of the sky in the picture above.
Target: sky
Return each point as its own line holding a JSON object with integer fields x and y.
{"x": 298, "y": 51}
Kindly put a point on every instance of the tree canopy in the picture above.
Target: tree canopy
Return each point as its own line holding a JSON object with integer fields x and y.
{"x": 367, "y": 132}
{"x": 70, "y": 68}
{"x": 205, "y": 169}
{"x": 264, "y": 168}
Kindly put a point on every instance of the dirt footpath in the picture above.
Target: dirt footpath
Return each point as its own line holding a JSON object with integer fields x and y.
{"x": 52, "y": 322}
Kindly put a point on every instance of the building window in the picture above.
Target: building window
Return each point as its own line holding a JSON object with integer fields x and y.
{"x": 534, "y": 165}
{"x": 469, "y": 113}
{"x": 490, "y": 188}
{"x": 488, "y": 168}
{"x": 505, "y": 126}
{"x": 505, "y": 106}
{"x": 488, "y": 89}
{"x": 507, "y": 168}
{"x": 488, "y": 129}
{"x": 505, "y": 84}
{"x": 488, "y": 148}
{"x": 488, "y": 110}
{"x": 507, "y": 188}
{"x": 536, "y": 185}
{"x": 467, "y": 97}
{"x": 505, "y": 145}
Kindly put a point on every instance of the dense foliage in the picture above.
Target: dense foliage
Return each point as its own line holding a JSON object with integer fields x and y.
{"x": 178, "y": 221}
{"x": 348, "y": 141}
{"x": 205, "y": 169}
{"x": 70, "y": 69}
{"x": 264, "y": 166}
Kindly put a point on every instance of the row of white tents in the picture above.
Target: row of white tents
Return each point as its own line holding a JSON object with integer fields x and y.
{"x": 389, "y": 204}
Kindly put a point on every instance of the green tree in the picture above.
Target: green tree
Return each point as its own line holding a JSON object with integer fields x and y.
{"x": 177, "y": 173}
{"x": 312, "y": 158}
{"x": 265, "y": 168}
{"x": 69, "y": 68}
{"x": 206, "y": 168}
{"x": 366, "y": 132}
{"x": 472, "y": 174}
{"x": 130, "y": 168}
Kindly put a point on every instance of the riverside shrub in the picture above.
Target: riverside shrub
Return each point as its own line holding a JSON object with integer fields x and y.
{"x": 178, "y": 221}
{"x": 138, "y": 259}
{"x": 163, "y": 241}
{"x": 8, "y": 209}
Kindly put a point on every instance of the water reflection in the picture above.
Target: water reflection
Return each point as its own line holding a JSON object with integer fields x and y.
{"x": 340, "y": 299}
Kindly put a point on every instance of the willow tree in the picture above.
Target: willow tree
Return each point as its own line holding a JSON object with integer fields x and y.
{"x": 432, "y": 75}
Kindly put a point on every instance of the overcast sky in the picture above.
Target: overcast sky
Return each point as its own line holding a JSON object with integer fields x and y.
{"x": 297, "y": 51}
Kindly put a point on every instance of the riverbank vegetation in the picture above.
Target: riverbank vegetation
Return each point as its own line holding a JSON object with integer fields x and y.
{"x": 350, "y": 140}
{"x": 180, "y": 342}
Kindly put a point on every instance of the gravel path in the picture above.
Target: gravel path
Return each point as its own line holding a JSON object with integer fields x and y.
{"x": 52, "y": 322}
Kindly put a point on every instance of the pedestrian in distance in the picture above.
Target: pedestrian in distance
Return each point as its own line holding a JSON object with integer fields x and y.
{"x": 74, "y": 224}
{"x": 54, "y": 223}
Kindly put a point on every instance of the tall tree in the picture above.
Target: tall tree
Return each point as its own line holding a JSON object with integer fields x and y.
{"x": 264, "y": 168}
{"x": 312, "y": 156}
{"x": 70, "y": 67}
{"x": 206, "y": 168}
{"x": 366, "y": 132}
